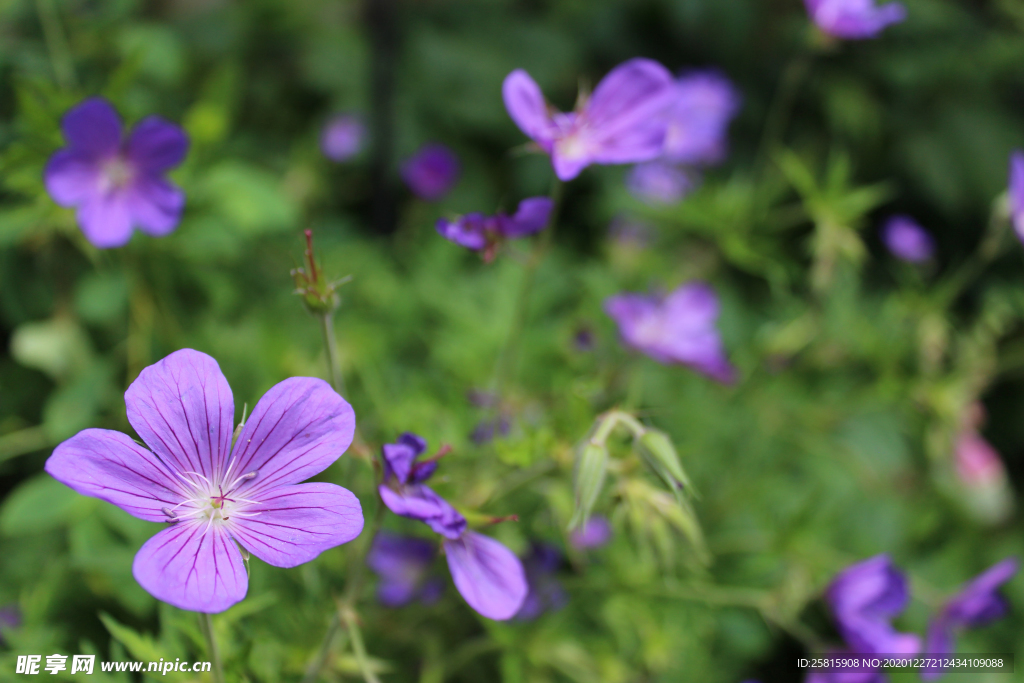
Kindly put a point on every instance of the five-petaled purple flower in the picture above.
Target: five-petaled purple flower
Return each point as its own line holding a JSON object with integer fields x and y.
{"x": 976, "y": 604}
{"x": 342, "y": 137}
{"x": 487, "y": 574}
{"x": 486, "y": 233}
{"x": 679, "y": 328}
{"x": 659, "y": 182}
{"x": 906, "y": 240}
{"x": 704, "y": 104}
{"x": 1016, "y": 193}
{"x": 116, "y": 184}
{"x": 545, "y": 592}
{"x": 622, "y": 122}
{"x": 402, "y": 563}
{"x": 594, "y": 534}
{"x": 854, "y": 19}
{"x": 432, "y": 172}
{"x": 215, "y": 496}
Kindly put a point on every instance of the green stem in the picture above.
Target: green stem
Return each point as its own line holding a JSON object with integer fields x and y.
{"x": 331, "y": 346}
{"x": 206, "y": 624}
{"x": 782, "y": 105}
{"x": 56, "y": 44}
{"x": 358, "y": 648}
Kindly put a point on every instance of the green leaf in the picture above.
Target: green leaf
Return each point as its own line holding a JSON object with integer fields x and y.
{"x": 40, "y": 504}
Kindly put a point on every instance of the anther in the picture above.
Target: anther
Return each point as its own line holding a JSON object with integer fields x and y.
{"x": 171, "y": 517}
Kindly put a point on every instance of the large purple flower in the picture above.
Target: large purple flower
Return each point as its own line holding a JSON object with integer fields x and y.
{"x": 485, "y": 233}
{"x": 704, "y": 104}
{"x": 1016, "y": 192}
{"x": 402, "y": 562}
{"x": 679, "y": 328}
{"x": 432, "y": 172}
{"x": 342, "y": 137}
{"x": 622, "y": 122}
{"x": 854, "y": 19}
{"x": 976, "y": 604}
{"x": 487, "y": 574}
{"x": 116, "y": 184}
{"x": 907, "y": 240}
{"x": 213, "y": 495}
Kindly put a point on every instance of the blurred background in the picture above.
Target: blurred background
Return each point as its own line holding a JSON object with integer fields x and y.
{"x": 860, "y": 376}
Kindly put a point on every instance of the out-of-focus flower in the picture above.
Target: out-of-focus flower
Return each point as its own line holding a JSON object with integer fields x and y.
{"x": 622, "y": 122}
{"x": 704, "y": 104}
{"x": 117, "y": 184}
{"x": 906, "y": 240}
{"x": 594, "y": 534}
{"x": 975, "y": 604}
{"x": 679, "y": 328}
{"x": 1016, "y": 192}
{"x": 402, "y": 563}
{"x": 485, "y": 431}
{"x": 485, "y": 233}
{"x": 487, "y": 574}
{"x": 659, "y": 182}
{"x": 854, "y": 19}
{"x": 545, "y": 592}
{"x": 10, "y": 618}
{"x": 343, "y": 137}
{"x": 864, "y": 598}
{"x": 981, "y": 472}
{"x": 432, "y": 172}
{"x": 216, "y": 497}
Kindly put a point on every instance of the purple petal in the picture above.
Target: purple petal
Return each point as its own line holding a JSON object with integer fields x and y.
{"x": 106, "y": 219}
{"x": 1016, "y": 192}
{"x": 532, "y": 215}
{"x": 398, "y": 457}
{"x": 194, "y": 566}
{"x": 525, "y": 104}
{"x": 419, "y": 501}
{"x": 468, "y": 231}
{"x": 938, "y": 641}
{"x": 978, "y": 602}
{"x": 704, "y": 104}
{"x": 110, "y": 466}
{"x": 431, "y": 172}
{"x": 71, "y": 177}
{"x": 594, "y": 534}
{"x": 156, "y": 145}
{"x": 295, "y": 431}
{"x": 155, "y": 205}
{"x": 93, "y": 128}
{"x": 488, "y": 575}
{"x": 657, "y": 182}
{"x": 342, "y": 137}
{"x": 863, "y": 598}
{"x": 402, "y": 563}
{"x": 293, "y": 524}
{"x": 854, "y": 19}
{"x": 907, "y": 240}
{"x": 183, "y": 409}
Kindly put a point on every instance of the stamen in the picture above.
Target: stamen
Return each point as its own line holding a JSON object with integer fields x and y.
{"x": 171, "y": 517}
{"x": 199, "y": 475}
{"x": 244, "y": 477}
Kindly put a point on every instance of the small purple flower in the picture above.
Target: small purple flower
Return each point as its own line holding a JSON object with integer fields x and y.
{"x": 854, "y": 19}
{"x": 976, "y": 604}
{"x": 10, "y": 618}
{"x": 343, "y": 137}
{"x": 907, "y": 240}
{"x": 487, "y": 574}
{"x": 658, "y": 182}
{"x": 486, "y": 233}
{"x": 594, "y": 534}
{"x": 705, "y": 102}
{"x": 432, "y": 172}
{"x": 622, "y": 122}
{"x": 1016, "y": 192}
{"x": 215, "y": 496}
{"x": 402, "y": 562}
{"x": 679, "y": 328}
{"x": 545, "y": 592}
{"x": 485, "y": 431}
{"x": 864, "y": 598}
{"x": 116, "y": 184}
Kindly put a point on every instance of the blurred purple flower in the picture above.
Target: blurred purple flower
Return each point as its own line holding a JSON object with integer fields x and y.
{"x": 659, "y": 182}
{"x": 432, "y": 172}
{"x": 594, "y": 534}
{"x": 679, "y": 328}
{"x": 705, "y": 102}
{"x": 487, "y": 574}
{"x": 486, "y": 430}
{"x": 216, "y": 497}
{"x": 343, "y": 137}
{"x": 545, "y": 592}
{"x": 402, "y": 562}
{"x": 583, "y": 340}
{"x": 906, "y": 240}
{"x": 845, "y": 676}
{"x": 116, "y": 184}
{"x": 622, "y": 122}
{"x": 976, "y": 604}
{"x": 630, "y": 233}
{"x": 485, "y": 233}
{"x": 854, "y": 19}
{"x": 864, "y": 598}
{"x": 1016, "y": 192}
{"x": 10, "y": 618}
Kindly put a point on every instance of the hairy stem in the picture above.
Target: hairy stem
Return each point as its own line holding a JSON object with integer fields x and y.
{"x": 206, "y": 624}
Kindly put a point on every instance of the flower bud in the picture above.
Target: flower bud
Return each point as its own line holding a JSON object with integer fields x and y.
{"x": 660, "y": 455}
{"x": 588, "y": 478}
{"x": 319, "y": 296}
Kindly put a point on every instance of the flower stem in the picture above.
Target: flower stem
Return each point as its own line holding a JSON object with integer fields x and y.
{"x": 348, "y": 615}
{"x": 331, "y": 346}
{"x": 206, "y": 624}
{"x": 782, "y": 105}
{"x": 56, "y": 44}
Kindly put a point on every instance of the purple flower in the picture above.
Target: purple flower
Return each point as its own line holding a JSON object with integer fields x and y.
{"x": 545, "y": 592}
{"x": 658, "y": 182}
{"x": 1016, "y": 192}
{"x": 854, "y": 19}
{"x": 116, "y": 184}
{"x": 864, "y": 598}
{"x": 679, "y": 328}
{"x": 976, "y": 604}
{"x": 214, "y": 495}
{"x": 487, "y": 574}
{"x": 485, "y": 233}
{"x": 594, "y": 534}
{"x": 704, "y": 104}
{"x": 907, "y": 240}
{"x": 343, "y": 137}
{"x": 845, "y": 676}
{"x": 432, "y": 172}
{"x": 623, "y": 122}
{"x": 402, "y": 562}
{"x": 10, "y": 618}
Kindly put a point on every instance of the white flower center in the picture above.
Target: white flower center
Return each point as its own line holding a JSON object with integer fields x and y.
{"x": 116, "y": 173}
{"x": 212, "y": 503}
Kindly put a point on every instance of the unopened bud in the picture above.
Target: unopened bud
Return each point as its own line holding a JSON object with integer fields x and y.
{"x": 661, "y": 456}
{"x": 588, "y": 478}
{"x": 318, "y": 294}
